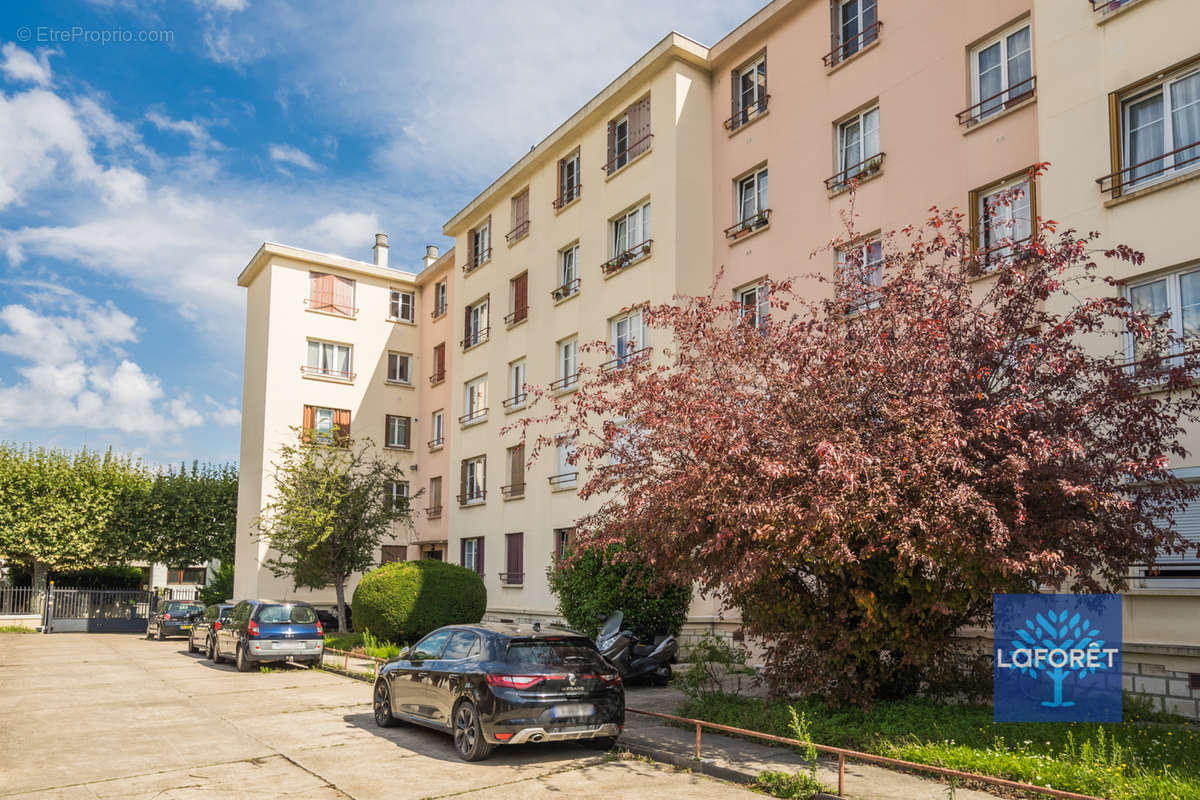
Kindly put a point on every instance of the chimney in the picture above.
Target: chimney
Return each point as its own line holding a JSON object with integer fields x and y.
{"x": 431, "y": 254}
{"x": 380, "y": 249}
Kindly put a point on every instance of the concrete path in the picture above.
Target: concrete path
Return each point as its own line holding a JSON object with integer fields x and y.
{"x": 115, "y": 716}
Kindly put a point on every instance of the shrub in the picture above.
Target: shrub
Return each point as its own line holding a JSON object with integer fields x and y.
{"x": 221, "y": 587}
{"x": 109, "y": 577}
{"x": 790, "y": 785}
{"x": 591, "y": 585}
{"x": 716, "y": 666}
{"x": 404, "y": 600}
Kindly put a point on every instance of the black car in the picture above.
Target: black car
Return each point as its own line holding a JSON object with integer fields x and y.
{"x": 204, "y": 626}
{"x": 265, "y": 631}
{"x": 173, "y": 618}
{"x": 493, "y": 684}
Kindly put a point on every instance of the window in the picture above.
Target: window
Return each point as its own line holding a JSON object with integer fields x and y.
{"x": 389, "y": 553}
{"x": 1001, "y": 73}
{"x": 750, "y": 204}
{"x": 630, "y": 239}
{"x": 479, "y": 244}
{"x": 861, "y": 272}
{"x": 567, "y": 472}
{"x": 472, "y": 554}
{"x": 462, "y": 645}
{"x": 563, "y": 539}
{"x": 399, "y": 368}
{"x": 568, "y": 180}
{"x": 331, "y": 293}
{"x": 193, "y": 575}
{"x": 854, "y": 27}
{"x": 395, "y": 495}
{"x": 748, "y": 86}
{"x": 398, "y": 430}
{"x": 568, "y": 273}
{"x": 568, "y": 364}
{"x": 435, "y": 497}
{"x": 1177, "y": 296}
{"x": 516, "y": 385}
{"x": 401, "y": 306}
{"x": 439, "y": 364}
{"x": 518, "y": 298}
{"x": 474, "y": 480}
{"x": 520, "y": 218}
{"x": 515, "y": 466}
{"x": 753, "y": 304}
{"x": 1003, "y": 216}
{"x": 514, "y": 559}
{"x": 475, "y": 400}
{"x": 438, "y": 426}
{"x": 1161, "y": 129}
{"x": 475, "y": 328}
{"x": 327, "y": 425}
{"x": 858, "y": 147}
{"x": 629, "y": 336}
{"x": 628, "y": 135}
{"x": 328, "y": 359}
{"x": 439, "y": 299}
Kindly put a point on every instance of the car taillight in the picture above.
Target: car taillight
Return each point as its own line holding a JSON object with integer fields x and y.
{"x": 320, "y": 629}
{"x": 609, "y": 679}
{"x": 252, "y": 628}
{"x": 503, "y": 737}
{"x": 521, "y": 681}
{"x": 166, "y": 616}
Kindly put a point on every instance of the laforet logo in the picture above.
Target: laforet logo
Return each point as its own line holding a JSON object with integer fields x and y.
{"x": 1057, "y": 658}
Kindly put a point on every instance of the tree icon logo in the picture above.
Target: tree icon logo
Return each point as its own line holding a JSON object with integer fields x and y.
{"x": 1057, "y": 635}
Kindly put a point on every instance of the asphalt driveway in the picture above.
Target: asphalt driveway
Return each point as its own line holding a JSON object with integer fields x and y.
{"x": 116, "y": 716}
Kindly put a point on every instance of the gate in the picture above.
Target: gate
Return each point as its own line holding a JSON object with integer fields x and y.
{"x": 99, "y": 610}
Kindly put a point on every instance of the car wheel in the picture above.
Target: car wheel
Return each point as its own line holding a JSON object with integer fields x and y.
{"x": 604, "y": 743}
{"x": 211, "y": 647}
{"x": 468, "y": 733}
{"x": 243, "y": 663}
{"x": 382, "y": 705}
{"x": 192, "y": 643}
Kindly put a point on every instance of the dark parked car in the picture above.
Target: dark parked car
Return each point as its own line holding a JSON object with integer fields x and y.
{"x": 173, "y": 618}
{"x": 328, "y": 617}
{"x": 493, "y": 684}
{"x": 264, "y": 631}
{"x": 204, "y": 626}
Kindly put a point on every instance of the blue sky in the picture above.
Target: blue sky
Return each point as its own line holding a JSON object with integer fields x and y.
{"x": 138, "y": 177}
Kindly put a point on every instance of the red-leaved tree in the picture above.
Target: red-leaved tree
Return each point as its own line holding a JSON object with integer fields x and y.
{"x": 858, "y": 473}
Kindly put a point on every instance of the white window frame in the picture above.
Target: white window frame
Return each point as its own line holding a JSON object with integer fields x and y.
{"x": 396, "y": 357}
{"x": 620, "y": 344}
{"x": 481, "y": 243}
{"x": 988, "y": 201}
{"x": 565, "y": 448}
{"x": 858, "y": 121}
{"x": 325, "y": 350}
{"x": 470, "y": 553}
{"x": 568, "y": 264}
{"x": 569, "y": 166}
{"x": 323, "y": 424}
{"x": 1005, "y": 96}
{"x": 623, "y": 225}
{"x": 389, "y": 441}
{"x": 438, "y": 426}
{"x": 475, "y": 396}
{"x": 758, "y": 306}
{"x": 1162, "y": 89}
{"x": 1174, "y": 297}
{"x": 756, "y": 181}
{"x": 757, "y": 89}
{"x": 568, "y": 361}
{"x": 439, "y": 298}
{"x": 396, "y": 490}
{"x": 869, "y": 264}
{"x": 517, "y": 382}
{"x": 620, "y": 154}
{"x": 402, "y": 305}
{"x": 476, "y": 479}
{"x": 843, "y": 49}
{"x": 479, "y": 322}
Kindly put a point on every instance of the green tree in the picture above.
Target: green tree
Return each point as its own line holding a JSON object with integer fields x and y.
{"x": 331, "y": 510}
{"x": 185, "y": 515}
{"x": 221, "y": 587}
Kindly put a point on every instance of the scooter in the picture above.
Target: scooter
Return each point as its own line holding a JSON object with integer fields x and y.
{"x": 636, "y": 661}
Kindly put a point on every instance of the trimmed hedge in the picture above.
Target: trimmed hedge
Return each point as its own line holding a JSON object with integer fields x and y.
{"x": 404, "y": 600}
{"x": 116, "y": 576}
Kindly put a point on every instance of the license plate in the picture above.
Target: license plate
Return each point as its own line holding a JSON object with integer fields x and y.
{"x": 185, "y": 627}
{"x": 567, "y": 710}
{"x": 290, "y": 645}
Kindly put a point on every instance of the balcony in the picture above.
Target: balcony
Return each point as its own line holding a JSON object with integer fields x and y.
{"x": 472, "y": 497}
{"x": 851, "y": 46}
{"x": 747, "y": 114}
{"x": 476, "y": 337}
{"x": 515, "y": 402}
{"x": 516, "y": 317}
{"x": 988, "y": 107}
{"x": 327, "y": 306}
{"x": 438, "y": 311}
{"x": 322, "y": 372}
{"x": 569, "y": 289}
{"x": 436, "y": 444}
{"x": 1108, "y": 6}
{"x": 437, "y": 377}
{"x": 563, "y": 480}
{"x": 1151, "y": 171}
{"x": 568, "y": 195}
{"x": 869, "y": 167}
{"x": 518, "y": 233}
{"x": 471, "y": 417}
{"x": 476, "y": 260}
{"x": 433, "y": 512}
{"x": 750, "y": 224}
{"x": 512, "y": 578}
{"x": 631, "y": 357}
{"x": 513, "y": 491}
{"x": 623, "y": 260}
{"x": 628, "y": 154}
{"x": 565, "y": 382}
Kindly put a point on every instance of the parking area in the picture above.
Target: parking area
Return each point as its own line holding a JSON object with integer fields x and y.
{"x": 115, "y": 716}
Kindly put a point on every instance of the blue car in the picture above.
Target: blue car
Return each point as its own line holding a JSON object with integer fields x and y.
{"x": 269, "y": 631}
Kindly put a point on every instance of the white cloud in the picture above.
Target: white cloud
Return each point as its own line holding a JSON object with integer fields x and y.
{"x": 287, "y": 154}
{"x": 191, "y": 128}
{"x": 225, "y": 414}
{"x": 345, "y": 232}
{"x": 24, "y": 67}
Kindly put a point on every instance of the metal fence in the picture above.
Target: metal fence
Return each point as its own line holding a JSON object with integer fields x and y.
{"x": 99, "y": 610}
{"x": 16, "y": 600}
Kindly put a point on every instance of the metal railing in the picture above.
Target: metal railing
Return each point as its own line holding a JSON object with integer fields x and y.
{"x": 750, "y": 223}
{"x": 1106, "y": 6}
{"x": 631, "y": 357}
{"x": 472, "y": 498}
{"x": 747, "y": 113}
{"x": 517, "y": 315}
{"x": 855, "y": 172}
{"x": 1001, "y": 100}
{"x": 567, "y": 196}
{"x": 476, "y": 337}
{"x": 476, "y": 260}
{"x": 433, "y": 444}
{"x": 1115, "y": 183}
{"x": 433, "y": 512}
{"x": 622, "y": 260}
{"x": 852, "y": 45}
{"x": 516, "y": 401}
{"x": 327, "y": 373}
{"x": 329, "y": 307}
{"x": 471, "y": 416}
{"x": 437, "y": 312}
{"x": 16, "y": 599}
{"x": 565, "y": 291}
{"x": 437, "y": 377}
{"x": 563, "y": 479}
{"x": 519, "y": 232}
{"x": 843, "y": 753}
{"x": 565, "y": 382}
{"x": 513, "y": 490}
{"x": 631, "y": 151}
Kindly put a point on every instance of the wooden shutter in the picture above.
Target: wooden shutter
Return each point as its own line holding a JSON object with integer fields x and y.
{"x": 515, "y": 557}
{"x": 518, "y": 465}
{"x": 520, "y": 297}
{"x": 762, "y": 95}
{"x": 612, "y": 144}
{"x": 479, "y": 556}
{"x": 320, "y": 290}
{"x": 308, "y": 422}
{"x": 735, "y": 93}
{"x": 341, "y": 422}
{"x": 462, "y": 552}
{"x": 462, "y": 482}
{"x": 639, "y": 126}
{"x": 435, "y": 492}
{"x": 562, "y": 183}
{"x": 467, "y": 328}
{"x": 521, "y": 209}
{"x": 343, "y": 295}
{"x": 483, "y": 475}
{"x": 439, "y": 359}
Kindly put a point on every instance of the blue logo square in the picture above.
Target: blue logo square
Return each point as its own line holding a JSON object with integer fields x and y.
{"x": 1057, "y": 658}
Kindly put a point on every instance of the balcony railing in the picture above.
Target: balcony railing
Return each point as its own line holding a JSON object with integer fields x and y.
{"x": 563, "y": 479}
{"x": 437, "y": 377}
{"x": 634, "y": 149}
{"x": 1125, "y": 178}
{"x": 565, "y": 382}
{"x": 519, "y": 232}
{"x": 473, "y": 497}
{"x": 434, "y": 444}
{"x": 855, "y": 172}
{"x": 631, "y": 357}
{"x": 567, "y": 196}
{"x": 476, "y": 337}
{"x": 321, "y": 372}
{"x": 472, "y": 416}
{"x": 513, "y": 490}
{"x": 565, "y": 291}
{"x": 622, "y": 260}
{"x": 841, "y": 52}
{"x": 433, "y": 512}
{"x": 329, "y": 307}
{"x": 990, "y": 106}
{"x": 512, "y": 578}
{"x": 475, "y": 260}
{"x": 744, "y": 115}
{"x": 437, "y": 311}
{"x": 750, "y": 223}
{"x": 1105, "y": 6}
{"x": 516, "y": 401}
{"x": 517, "y": 315}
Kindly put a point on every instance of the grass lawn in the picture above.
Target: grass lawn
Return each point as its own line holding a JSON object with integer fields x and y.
{"x": 1150, "y": 757}
{"x": 16, "y": 629}
{"x": 362, "y": 643}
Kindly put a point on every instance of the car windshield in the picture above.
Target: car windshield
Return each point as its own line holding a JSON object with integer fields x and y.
{"x": 281, "y": 615}
{"x": 572, "y": 652}
{"x": 182, "y": 608}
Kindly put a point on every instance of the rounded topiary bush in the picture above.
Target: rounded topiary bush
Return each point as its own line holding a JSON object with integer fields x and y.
{"x": 404, "y": 600}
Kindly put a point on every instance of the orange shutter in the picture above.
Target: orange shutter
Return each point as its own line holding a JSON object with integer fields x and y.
{"x": 308, "y": 421}
{"x": 439, "y": 360}
{"x": 341, "y": 422}
{"x": 320, "y": 291}
{"x": 343, "y": 295}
